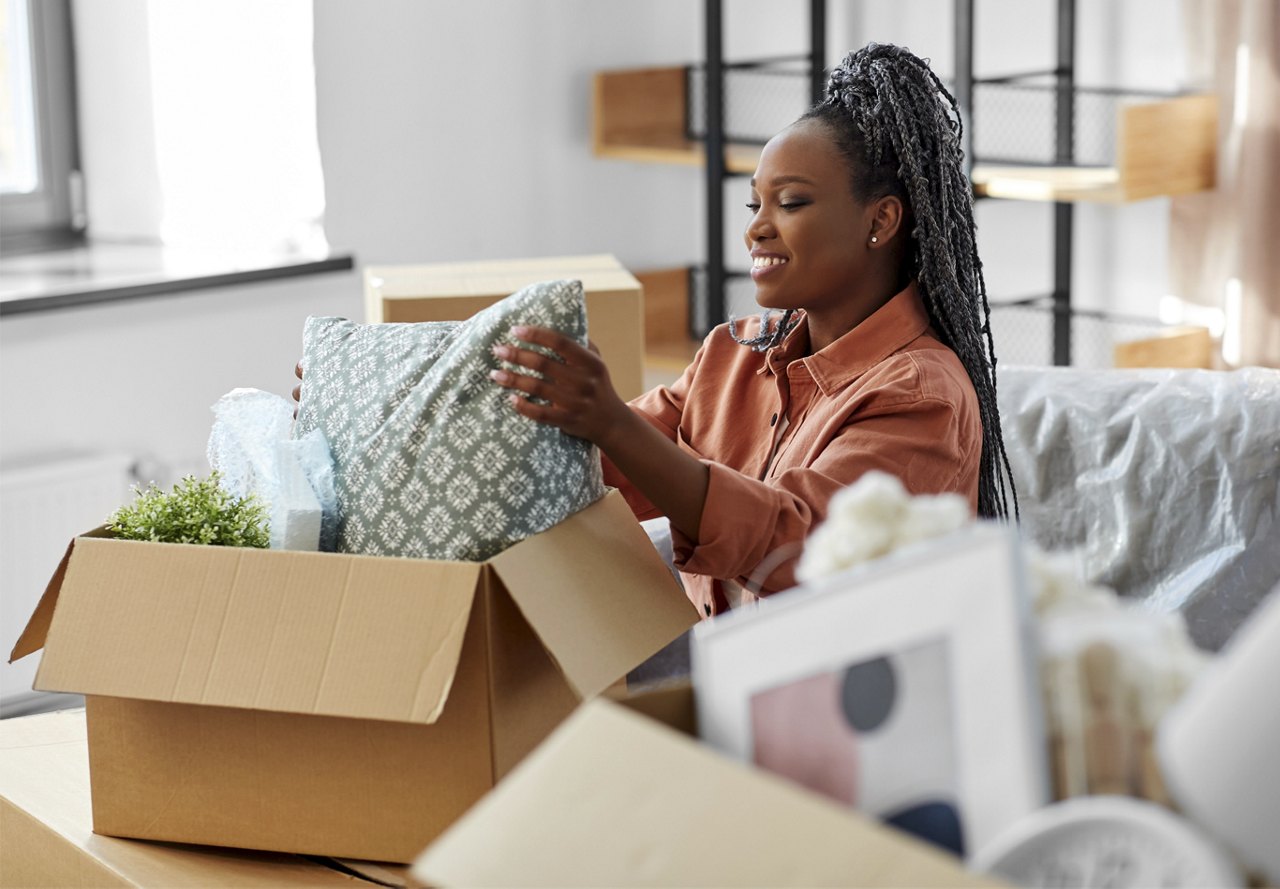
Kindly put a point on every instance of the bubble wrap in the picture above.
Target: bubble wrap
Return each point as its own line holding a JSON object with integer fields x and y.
{"x": 250, "y": 446}
{"x": 1167, "y": 482}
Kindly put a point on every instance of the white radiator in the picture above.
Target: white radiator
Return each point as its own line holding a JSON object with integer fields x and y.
{"x": 42, "y": 506}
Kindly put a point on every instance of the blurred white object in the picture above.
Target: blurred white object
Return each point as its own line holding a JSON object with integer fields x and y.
{"x": 1220, "y": 747}
{"x": 1106, "y": 841}
{"x": 873, "y": 517}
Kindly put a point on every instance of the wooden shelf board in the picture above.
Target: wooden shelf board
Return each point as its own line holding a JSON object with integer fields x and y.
{"x": 1048, "y": 183}
{"x": 657, "y": 150}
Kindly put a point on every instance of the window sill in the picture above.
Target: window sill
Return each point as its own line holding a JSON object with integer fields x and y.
{"x": 101, "y": 273}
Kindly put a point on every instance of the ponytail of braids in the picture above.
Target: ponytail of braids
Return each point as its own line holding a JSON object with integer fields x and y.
{"x": 899, "y": 129}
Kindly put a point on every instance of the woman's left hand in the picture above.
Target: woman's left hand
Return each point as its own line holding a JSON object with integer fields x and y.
{"x": 580, "y": 397}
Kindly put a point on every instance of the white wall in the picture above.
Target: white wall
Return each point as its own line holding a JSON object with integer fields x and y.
{"x": 461, "y": 131}
{"x": 140, "y": 376}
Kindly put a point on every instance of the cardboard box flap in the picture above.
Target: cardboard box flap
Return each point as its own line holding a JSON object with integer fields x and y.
{"x": 597, "y": 593}
{"x": 297, "y": 632}
{"x": 635, "y": 803}
{"x": 33, "y": 636}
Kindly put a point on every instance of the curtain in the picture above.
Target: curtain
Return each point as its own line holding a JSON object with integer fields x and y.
{"x": 1225, "y": 244}
{"x": 198, "y": 124}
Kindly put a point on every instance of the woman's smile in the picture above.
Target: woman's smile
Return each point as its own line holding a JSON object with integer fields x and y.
{"x": 764, "y": 264}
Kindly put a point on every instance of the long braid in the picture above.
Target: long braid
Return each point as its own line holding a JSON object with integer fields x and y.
{"x": 900, "y": 130}
{"x": 770, "y": 334}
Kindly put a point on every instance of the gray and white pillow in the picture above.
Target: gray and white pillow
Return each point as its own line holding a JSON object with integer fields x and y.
{"x": 430, "y": 459}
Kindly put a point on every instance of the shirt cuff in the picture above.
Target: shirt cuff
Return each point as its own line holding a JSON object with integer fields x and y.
{"x": 738, "y": 518}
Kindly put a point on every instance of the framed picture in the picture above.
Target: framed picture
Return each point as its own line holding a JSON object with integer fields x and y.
{"x": 905, "y": 688}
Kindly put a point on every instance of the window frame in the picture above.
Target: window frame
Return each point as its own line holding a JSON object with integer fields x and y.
{"x": 49, "y": 217}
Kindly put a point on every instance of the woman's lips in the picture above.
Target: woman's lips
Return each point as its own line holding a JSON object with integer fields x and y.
{"x": 763, "y": 266}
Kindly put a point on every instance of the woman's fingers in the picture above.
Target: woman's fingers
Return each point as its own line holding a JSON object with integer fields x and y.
{"x": 543, "y": 413}
{"x": 526, "y": 383}
{"x": 297, "y": 370}
{"x": 527, "y": 358}
{"x": 566, "y": 347}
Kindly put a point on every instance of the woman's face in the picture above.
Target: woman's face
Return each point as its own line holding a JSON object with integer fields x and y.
{"x": 807, "y": 234}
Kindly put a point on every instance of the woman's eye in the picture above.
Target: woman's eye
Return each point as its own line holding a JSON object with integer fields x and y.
{"x": 793, "y": 205}
{"x": 754, "y": 208}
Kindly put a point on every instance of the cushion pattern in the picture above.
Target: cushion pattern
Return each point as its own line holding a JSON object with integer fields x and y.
{"x": 430, "y": 459}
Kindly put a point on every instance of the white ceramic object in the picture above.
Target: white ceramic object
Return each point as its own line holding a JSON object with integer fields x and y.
{"x": 1219, "y": 747}
{"x": 1112, "y": 841}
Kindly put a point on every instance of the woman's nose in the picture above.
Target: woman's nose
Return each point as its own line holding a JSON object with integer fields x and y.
{"x": 759, "y": 228}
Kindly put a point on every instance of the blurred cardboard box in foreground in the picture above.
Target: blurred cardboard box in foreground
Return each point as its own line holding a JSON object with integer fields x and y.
{"x": 614, "y": 797}
{"x": 336, "y": 704}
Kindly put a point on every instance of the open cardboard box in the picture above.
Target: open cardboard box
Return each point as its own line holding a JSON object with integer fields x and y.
{"x": 616, "y": 797}
{"x": 332, "y": 704}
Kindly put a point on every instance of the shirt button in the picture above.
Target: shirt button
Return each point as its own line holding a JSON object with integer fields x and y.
{"x": 773, "y": 420}
{"x": 707, "y": 608}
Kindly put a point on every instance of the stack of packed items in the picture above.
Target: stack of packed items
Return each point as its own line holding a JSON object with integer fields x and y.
{"x": 355, "y": 703}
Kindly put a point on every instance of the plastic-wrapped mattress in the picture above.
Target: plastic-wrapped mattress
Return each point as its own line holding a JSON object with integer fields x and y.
{"x": 1167, "y": 482}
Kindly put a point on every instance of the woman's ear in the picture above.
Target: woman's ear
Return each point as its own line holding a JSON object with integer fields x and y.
{"x": 886, "y": 219}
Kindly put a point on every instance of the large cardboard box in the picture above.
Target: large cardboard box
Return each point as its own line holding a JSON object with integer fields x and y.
{"x": 46, "y": 836}
{"x": 455, "y": 291}
{"x": 335, "y": 704}
{"x": 617, "y": 798}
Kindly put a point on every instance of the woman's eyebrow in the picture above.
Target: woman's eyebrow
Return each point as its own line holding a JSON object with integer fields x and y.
{"x": 784, "y": 180}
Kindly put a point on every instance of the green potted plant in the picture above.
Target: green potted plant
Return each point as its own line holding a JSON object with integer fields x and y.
{"x": 195, "y": 511}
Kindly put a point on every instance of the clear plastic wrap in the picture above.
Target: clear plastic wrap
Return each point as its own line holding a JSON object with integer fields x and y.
{"x": 250, "y": 446}
{"x": 1166, "y": 482}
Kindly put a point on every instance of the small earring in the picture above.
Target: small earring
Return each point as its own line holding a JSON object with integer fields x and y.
{"x": 874, "y": 239}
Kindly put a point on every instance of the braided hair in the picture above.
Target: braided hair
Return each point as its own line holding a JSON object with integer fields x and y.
{"x": 899, "y": 130}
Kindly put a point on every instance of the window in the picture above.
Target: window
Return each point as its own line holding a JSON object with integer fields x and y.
{"x": 37, "y": 126}
{"x": 194, "y": 123}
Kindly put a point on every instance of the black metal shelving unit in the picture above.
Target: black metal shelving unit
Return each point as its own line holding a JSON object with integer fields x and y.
{"x": 715, "y": 140}
{"x": 1059, "y": 124}
{"x": 1063, "y": 75}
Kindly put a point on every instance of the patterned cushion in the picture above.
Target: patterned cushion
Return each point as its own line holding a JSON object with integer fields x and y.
{"x": 430, "y": 460}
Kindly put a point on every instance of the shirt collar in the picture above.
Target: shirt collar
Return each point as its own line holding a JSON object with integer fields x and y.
{"x": 895, "y": 324}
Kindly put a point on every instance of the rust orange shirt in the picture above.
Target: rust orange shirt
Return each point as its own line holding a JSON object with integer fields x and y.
{"x": 887, "y": 395}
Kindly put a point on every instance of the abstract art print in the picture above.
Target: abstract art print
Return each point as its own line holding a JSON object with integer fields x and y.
{"x": 878, "y": 735}
{"x": 904, "y": 689}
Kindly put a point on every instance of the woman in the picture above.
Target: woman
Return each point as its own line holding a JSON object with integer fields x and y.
{"x": 861, "y": 231}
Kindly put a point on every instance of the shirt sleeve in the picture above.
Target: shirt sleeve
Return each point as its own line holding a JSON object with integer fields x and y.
{"x": 750, "y": 526}
{"x": 662, "y": 408}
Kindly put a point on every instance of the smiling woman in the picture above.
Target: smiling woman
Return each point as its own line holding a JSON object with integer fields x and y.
{"x": 861, "y": 233}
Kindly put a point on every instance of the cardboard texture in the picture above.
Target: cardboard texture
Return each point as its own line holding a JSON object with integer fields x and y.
{"x": 614, "y": 798}
{"x": 456, "y": 291}
{"x": 46, "y": 839}
{"x": 333, "y": 704}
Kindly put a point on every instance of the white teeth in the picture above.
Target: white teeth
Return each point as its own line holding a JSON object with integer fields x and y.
{"x": 764, "y": 261}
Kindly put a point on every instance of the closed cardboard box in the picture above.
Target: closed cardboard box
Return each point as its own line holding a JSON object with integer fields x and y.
{"x": 334, "y": 704}
{"x": 456, "y": 291}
